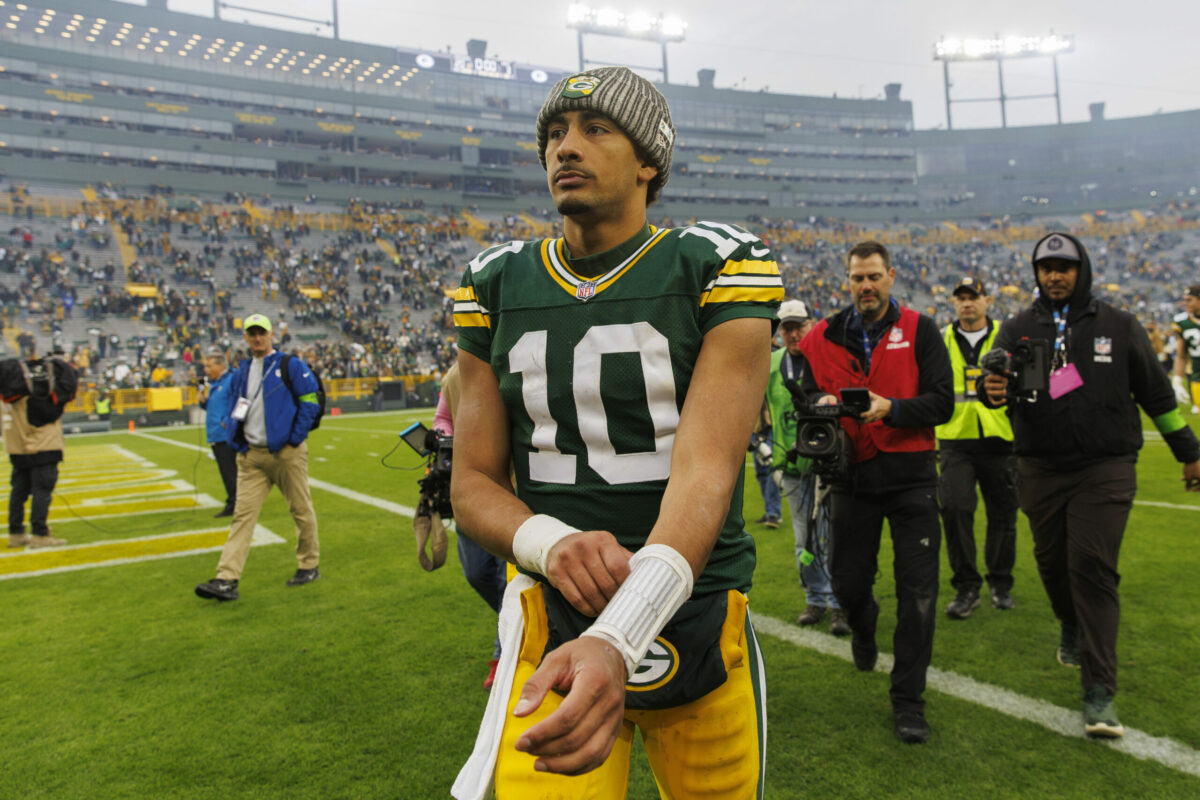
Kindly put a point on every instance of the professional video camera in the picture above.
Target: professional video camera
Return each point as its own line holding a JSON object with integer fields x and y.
{"x": 1027, "y": 368}
{"x": 49, "y": 383}
{"x": 819, "y": 436}
{"x": 437, "y": 449}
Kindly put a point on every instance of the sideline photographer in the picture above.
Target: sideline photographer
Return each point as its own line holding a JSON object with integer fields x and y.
{"x": 36, "y": 392}
{"x": 807, "y": 496}
{"x": 897, "y": 355}
{"x": 1077, "y": 442}
{"x": 485, "y": 572}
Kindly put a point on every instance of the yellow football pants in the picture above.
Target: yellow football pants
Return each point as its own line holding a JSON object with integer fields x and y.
{"x": 712, "y": 748}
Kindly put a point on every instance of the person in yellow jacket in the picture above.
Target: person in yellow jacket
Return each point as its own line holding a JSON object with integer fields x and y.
{"x": 976, "y": 446}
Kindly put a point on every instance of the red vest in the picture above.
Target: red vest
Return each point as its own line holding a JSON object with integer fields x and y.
{"x": 894, "y": 373}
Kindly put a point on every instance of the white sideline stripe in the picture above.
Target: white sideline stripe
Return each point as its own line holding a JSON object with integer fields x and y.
{"x": 1160, "y": 504}
{"x": 1059, "y": 720}
{"x": 350, "y": 494}
{"x": 1140, "y": 745}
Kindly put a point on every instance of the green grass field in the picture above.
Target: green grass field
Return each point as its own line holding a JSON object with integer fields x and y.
{"x": 120, "y": 683}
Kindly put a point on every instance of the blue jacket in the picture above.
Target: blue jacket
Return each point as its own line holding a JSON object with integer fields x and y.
{"x": 218, "y": 405}
{"x": 288, "y": 418}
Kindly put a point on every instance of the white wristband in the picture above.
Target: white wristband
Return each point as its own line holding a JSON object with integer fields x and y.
{"x": 532, "y": 542}
{"x": 659, "y": 582}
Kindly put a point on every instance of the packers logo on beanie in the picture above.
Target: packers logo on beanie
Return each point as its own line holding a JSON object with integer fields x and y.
{"x": 629, "y": 100}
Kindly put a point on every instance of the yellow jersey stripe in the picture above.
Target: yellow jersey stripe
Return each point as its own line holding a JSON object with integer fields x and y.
{"x": 472, "y": 321}
{"x": 546, "y": 245}
{"x": 750, "y": 267}
{"x": 638, "y": 258}
{"x": 743, "y": 294}
{"x": 465, "y": 293}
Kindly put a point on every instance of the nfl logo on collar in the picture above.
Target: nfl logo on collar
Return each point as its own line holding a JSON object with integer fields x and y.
{"x": 585, "y": 291}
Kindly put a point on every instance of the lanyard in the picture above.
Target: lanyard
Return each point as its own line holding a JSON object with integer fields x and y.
{"x": 867, "y": 346}
{"x": 262, "y": 379}
{"x": 789, "y": 367}
{"x": 1060, "y": 335}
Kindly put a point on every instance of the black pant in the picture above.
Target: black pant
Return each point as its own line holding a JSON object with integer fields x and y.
{"x": 996, "y": 474}
{"x": 1078, "y": 520}
{"x": 227, "y": 464}
{"x": 38, "y": 481}
{"x": 912, "y": 516}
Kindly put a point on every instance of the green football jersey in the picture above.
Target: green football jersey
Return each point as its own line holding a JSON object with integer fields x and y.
{"x": 594, "y": 357}
{"x": 1189, "y": 329}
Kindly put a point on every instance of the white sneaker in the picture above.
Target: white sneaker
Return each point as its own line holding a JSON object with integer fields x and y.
{"x": 45, "y": 541}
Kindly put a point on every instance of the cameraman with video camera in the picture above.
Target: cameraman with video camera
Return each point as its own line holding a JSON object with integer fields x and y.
{"x": 897, "y": 356}
{"x": 1077, "y": 440}
{"x": 36, "y": 391}
{"x": 806, "y": 495}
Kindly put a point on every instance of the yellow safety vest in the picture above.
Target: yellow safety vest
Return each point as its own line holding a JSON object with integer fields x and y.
{"x": 969, "y": 413}
{"x": 103, "y": 406}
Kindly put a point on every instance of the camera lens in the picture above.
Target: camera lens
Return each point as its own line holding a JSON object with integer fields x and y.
{"x": 817, "y": 437}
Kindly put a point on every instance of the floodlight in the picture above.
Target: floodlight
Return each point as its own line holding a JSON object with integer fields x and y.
{"x": 639, "y": 22}
{"x": 673, "y": 27}
{"x": 608, "y": 18}
{"x": 577, "y": 13}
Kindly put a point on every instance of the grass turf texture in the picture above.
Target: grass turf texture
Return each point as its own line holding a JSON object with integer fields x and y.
{"x": 120, "y": 683}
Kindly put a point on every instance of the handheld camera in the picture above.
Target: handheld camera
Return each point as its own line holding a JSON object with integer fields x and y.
{"x": 819, "y": 435}
{"x": 1027, "y": 368}
{"x": 438, "y": 450}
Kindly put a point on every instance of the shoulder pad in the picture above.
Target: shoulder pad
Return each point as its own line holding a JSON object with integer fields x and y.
{"x": 723, "y": 238}
{"x": 492, "y": 253}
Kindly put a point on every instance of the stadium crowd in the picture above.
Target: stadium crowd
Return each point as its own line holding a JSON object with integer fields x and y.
{"x": 374, "y": 295}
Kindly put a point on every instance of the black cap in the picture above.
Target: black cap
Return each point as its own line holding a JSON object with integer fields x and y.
{"x": 972, "y": 285}
{"x": 1057, "y": 245}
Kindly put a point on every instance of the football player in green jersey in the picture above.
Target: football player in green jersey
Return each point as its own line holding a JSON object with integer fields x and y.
{"x": 1187, "y": 331}
{"x": 619, "y": 370}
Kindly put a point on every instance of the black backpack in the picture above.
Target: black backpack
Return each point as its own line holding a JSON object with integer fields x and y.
{"x": 284, "y": 373}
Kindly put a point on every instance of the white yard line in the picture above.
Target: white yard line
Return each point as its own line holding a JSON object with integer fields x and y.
{"x": 1065, "y": 722}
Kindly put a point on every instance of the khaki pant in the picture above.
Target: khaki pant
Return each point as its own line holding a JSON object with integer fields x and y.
{"x": 257, "y": 470}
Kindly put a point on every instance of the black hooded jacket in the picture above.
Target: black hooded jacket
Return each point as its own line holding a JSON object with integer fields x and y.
{"x": 1099, "y": 421}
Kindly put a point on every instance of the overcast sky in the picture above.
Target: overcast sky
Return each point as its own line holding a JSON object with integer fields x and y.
{"x": 1138, "y": 58}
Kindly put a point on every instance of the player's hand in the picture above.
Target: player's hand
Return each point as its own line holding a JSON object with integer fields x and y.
{"x": 880, "y": 407}
{"x": 827, "y": 400}
{"x": 1191, "y": 476}
{"x": 996, "y": 387}
{"x": 588, "y": 568}
{"x": 578, "y": 736}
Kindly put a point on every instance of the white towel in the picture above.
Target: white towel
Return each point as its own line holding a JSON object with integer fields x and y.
{"x": 474, "y": 781}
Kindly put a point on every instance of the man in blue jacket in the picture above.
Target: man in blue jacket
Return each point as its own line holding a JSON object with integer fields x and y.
{"x": 217, "y": 402}
{"x": 268, "y": 427}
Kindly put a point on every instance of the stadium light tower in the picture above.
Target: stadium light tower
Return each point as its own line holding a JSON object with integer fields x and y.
{"x": 998, "y": 49}
{"x": 634, "y": 25}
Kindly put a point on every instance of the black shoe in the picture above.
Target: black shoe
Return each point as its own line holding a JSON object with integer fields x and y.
{"x": 225, "y": 512}
{"x": 217, "y": 589}
{"x": 304, "y": 576}
{"x": 770, "y": 521}
{"x": 911, "y": 727}
{"x": 838, "y": 625}
{"x": 1003, "y": 600}
{"x": 862, "y": 642}
{"x": 962, "y": 606}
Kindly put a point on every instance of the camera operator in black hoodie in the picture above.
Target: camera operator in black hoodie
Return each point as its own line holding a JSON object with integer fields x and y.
{"x": 1077, "y": 448}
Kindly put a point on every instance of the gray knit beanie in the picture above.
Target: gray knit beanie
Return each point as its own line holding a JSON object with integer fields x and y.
{"x": 627, "y": 99}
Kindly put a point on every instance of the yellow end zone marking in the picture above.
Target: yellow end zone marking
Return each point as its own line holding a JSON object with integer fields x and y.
{"x": 27, "y": 563}
{"x": 93, "y": 508}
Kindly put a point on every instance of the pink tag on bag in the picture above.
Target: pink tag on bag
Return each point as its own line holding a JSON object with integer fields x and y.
{"x": 1063, "y": 380}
